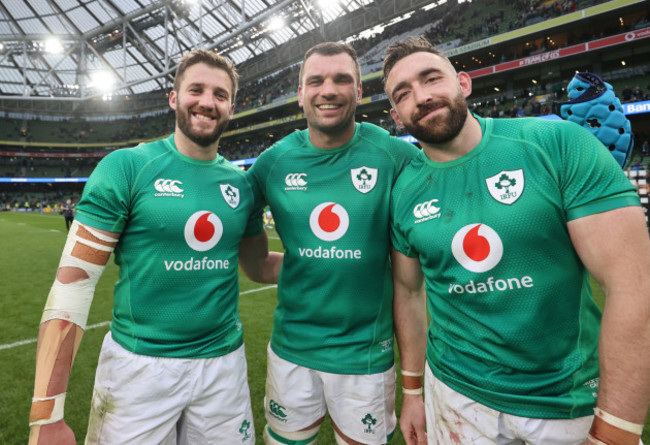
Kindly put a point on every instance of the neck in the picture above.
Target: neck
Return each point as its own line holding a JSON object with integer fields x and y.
{"x": 464, "y": 142}
{"x": 319, "y": 139}
{"x": 192, "y": 150}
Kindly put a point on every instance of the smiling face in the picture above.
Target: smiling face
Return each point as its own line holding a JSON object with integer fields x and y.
{"x": 329, "y": 93}
{"x": 428, "y": 97}
{"x": 203, "y": 104}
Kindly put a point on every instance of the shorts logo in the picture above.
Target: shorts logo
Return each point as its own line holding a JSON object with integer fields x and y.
{"x": 230, "y": 194}
{"x": 168, "y": 187}
{"x": 426, "y": 211}
{"x": 329, "y": 221}
{"x": 477, "y": 247}
{"x": 276, "y": 410}
{"x": 369, "y": 422}
{"x": 364, "y": 179}
{"x": 203, "y": 230}
{"x": 245, "y": 426}
{"x": 506, "y": 186}
{"x": 295, "y": 181}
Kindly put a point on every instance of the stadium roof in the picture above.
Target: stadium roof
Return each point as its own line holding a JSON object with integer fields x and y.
{"x": 78, "y": 49}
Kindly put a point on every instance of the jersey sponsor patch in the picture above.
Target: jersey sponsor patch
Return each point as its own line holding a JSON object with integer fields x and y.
{"x": 230, "y": 194}
{"x": 203, "y": 230}
{"x": 168, "y": 187}
{"x": 364, "y": 179}
{"x": 329, "y": 221}
{"x": 477, "y": 247}
{"x": 295, "y": 181}
{"x": 426, "y": 211}
{"x": 506, "y": 186}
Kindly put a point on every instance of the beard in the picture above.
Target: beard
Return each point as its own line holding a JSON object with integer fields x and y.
{"x": 440, "y": 129}
{"x": 202, "y": 140}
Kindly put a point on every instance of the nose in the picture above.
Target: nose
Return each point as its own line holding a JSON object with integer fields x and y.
{"x": 328, "y": 88}
{"x": 206, "y": 100}
{"x": 420, "y": 93}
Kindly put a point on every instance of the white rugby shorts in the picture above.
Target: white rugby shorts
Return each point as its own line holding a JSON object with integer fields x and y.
{"x": 138, "y": 399}
{"x": 361, "y": 406}
{"x": 453, "y": 418}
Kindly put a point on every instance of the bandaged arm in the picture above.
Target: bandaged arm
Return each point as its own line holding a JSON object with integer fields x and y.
{"x": 84, "y": 258}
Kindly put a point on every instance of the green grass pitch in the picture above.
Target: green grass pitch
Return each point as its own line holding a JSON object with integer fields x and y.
{"x": 31, "y": 248}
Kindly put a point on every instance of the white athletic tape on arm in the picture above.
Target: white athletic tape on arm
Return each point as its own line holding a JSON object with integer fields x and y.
{"x": 412, "y": 392}
{"x": 630, "y": 427}
{"x": 57, "y": 411}
{"x": 71, "y": 301}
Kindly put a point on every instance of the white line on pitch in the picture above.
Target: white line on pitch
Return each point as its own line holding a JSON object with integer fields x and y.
{"x": 106, "y": 323}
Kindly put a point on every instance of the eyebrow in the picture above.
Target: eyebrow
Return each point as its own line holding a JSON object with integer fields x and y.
{"x": 202, "y": 85}
{"x": 421, "y": 74}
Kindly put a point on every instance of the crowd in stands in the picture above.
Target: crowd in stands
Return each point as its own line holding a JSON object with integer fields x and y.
{"x": 463, "y": 23}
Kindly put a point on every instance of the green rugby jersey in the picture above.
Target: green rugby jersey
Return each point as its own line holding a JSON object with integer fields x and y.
{"x": 181, "y": 222}
{"x": 513, "y": 322}
{"x": 330, "y": 208}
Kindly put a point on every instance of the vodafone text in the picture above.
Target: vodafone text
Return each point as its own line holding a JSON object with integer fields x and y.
{"x": 490, "y": 285}
{"x": 203, "y": 264}
{"x": 332, "y": 252}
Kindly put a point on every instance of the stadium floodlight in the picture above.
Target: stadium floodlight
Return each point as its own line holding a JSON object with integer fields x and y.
{"x": 102, "y": 80}
{"x": 53, "y": 45}
{"x": 276, "y": 23}
{"x": 328, "y": 5}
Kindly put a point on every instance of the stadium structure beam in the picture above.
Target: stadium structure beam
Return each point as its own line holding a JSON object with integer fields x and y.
{"x": 340, "y": 29}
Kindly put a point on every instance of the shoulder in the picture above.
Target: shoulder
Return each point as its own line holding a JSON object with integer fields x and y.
{"x": 280, "y": 148}
{"x": 381, "y": 139}
{"x": 140, "y": 153}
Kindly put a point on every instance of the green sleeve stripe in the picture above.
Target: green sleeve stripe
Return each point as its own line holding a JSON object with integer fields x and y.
{"x": 603, "y": 205}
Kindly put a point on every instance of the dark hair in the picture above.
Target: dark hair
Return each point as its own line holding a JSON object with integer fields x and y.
{"x": 332, "y": 49}
{"x": 211, "y": 59}
{"x": 398, "y": 50}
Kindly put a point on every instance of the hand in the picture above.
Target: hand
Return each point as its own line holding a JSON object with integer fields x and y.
{"x": 57, "y": 433}
{"x": 412, "y": 420}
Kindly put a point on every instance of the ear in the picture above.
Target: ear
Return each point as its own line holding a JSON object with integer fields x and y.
{"x": 172, "y": 100}
{"x": 359, "y": 93}
{"x": 300, "y": 96}
{"x": 465, "y": 82}
{"x": 396, "y": 118}
{"x": 232, "y": 110}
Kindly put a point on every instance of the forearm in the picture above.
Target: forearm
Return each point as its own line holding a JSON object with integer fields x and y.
{"x": 268, "y": 269}
{"x": 58, "y": 342}
{"x": 258, "y": 263}
{"x": 624, "y": 389}
{"x": 411, "y": 332}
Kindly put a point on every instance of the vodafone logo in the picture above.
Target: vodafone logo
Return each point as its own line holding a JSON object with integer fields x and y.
{"x": 329, "y": 221}
{"x": 477, "y": 247}
{"x": 203, "y": 230}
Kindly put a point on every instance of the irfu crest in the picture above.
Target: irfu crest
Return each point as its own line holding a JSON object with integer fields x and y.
{"x": 506, "y": 186}
{"x": 230, "y": 194}
{"x": 364, "y": 179}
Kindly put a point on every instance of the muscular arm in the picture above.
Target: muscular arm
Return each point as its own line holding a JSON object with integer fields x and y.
{"x": 615, "y": 248}
{"x": 61, "y": 331}
{"x": 258, "y": 263}
{"x": 409, "y": 313}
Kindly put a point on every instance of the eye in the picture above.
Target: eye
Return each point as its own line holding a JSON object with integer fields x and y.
{"x": 401, "y": 95}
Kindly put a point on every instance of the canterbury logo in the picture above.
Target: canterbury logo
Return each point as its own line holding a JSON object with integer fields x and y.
{"x": 295, "y": 180}
{"x": 168, "y": 186}
{"x": 426, "y": 209}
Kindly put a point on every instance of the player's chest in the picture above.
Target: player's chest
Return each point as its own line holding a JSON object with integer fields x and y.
{"x": 480, "y": 205}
